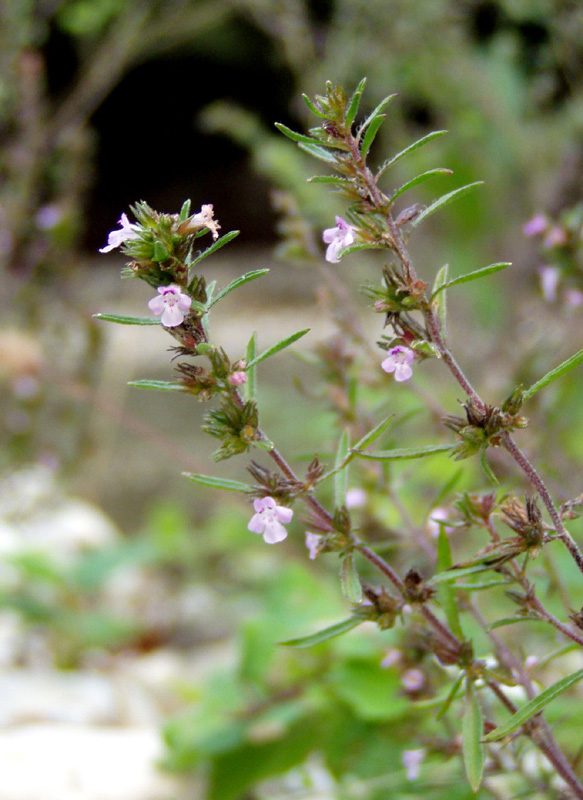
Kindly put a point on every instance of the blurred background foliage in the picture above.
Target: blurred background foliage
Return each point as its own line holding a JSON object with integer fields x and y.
{"x": 103, "y": 102}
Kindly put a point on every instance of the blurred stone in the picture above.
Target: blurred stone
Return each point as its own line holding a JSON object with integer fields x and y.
{"x": 75, "y": 762}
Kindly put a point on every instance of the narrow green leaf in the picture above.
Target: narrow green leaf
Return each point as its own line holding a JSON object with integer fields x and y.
{"x": 443, "y": 201}
{"x": 472, "y": 276}
{"x": 277, "y": 347}
{"x": 221, "y": 242}
{"x": 374, "y": 433}
{"x": 122, "y": 320}
{"x": 400, "y": 454}
{"x": 237, "y": 282}
{"x": 354, "y": 248}
{"x": 374, "y": 115}
{"x": 318, "y": 152}
{"x": 477, "y": 587}
{"x": 160, "y": 386}
{"x": 533, "y": 707}
{"x": 453, "y": 574}
{"x": 446, "y": 592}
{"x": 349, "y": 580}
{"x": 487, "y": 469}
{"x": 440, "y": 303}
{"x": 341, "y": 470}
{"x": 419, "y": 179}
{"x": 251, "y": 372}
{"x": 451, "y": 696}
{"x": 370, "y": 134}
{"x": 501, "y": 623}
{"x": 472, "y": 732}
{"x": 419, "y": 143}
{"x": 313, "y": 108}
{"x": 344, "y": 182}
{"x": 322, "y": 636}
{"x": 185, "y": 211}
{"x": 296, "y": 137}
{"x": 354, "y": 103}
{"x": 218, "y": 483}
{"x": 555, "y": 373}
{"x": 210, "y": 290}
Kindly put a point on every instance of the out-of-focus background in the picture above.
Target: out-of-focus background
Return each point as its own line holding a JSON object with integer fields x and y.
{"x": 132, "y": 601}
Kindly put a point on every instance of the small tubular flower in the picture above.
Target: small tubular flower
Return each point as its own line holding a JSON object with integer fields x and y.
{"x": 399, "y": 360}
{"x": 268, "y": 519}
{"x": 412, "y": 760}
{"x": 337, "y": 238}
{"x": 313, "y": 543}
{"x": 117, "y": 238}
{"x": 172, "y": 303}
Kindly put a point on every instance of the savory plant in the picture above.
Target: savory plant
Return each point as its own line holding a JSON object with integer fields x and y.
{"x": 473, "y": 698}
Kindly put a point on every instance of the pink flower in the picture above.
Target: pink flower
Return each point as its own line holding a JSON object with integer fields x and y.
{"x": 399, "y": 360}
{"x": 237, "y": 378}
{"x": 117, "y": 238}
{"x": 337, "y": 238}
{"x": 268, "y": 519}
{"x": 412, "y": 760}
{"x": 313, "y": 543}
{"x": 172, "y": 303}
{"x": 535, "y": 226}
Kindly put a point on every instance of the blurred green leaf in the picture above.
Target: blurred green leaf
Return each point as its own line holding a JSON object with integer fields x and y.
{"x": 325, "y": 634}
{"x": 533, "y": 707}
{"x": 158, "y": 386}
{"x": 373, "y": 693}
{"x": 218, "y": 483}
{"x": 472, "y": 732}
{"x": 349, "y": 580}
{"x": 124, "y": 320}
{"x": 403, "y": 453}
{"x": 446, "y": 592}
{"x": 341, "y": 470}
{"x": 554, "y": 374}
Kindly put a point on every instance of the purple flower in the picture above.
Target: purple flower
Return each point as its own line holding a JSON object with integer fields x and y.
{"x": 355, "y": 498}
{"x": 117, "y": 238}
{"x": 412, "y": 680}
{"x": 399, "y": 360}
{"x": 268, "y": 519}
{"x": 549, "y": 278}
{"x": 337, "y": 238}
{"x": 535, "y": 226}
{"x": 412, "y": 760}
{"x": 172, "y": 303}
{"x": 313, "y": 543}
{"x": 573, "y": 297}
